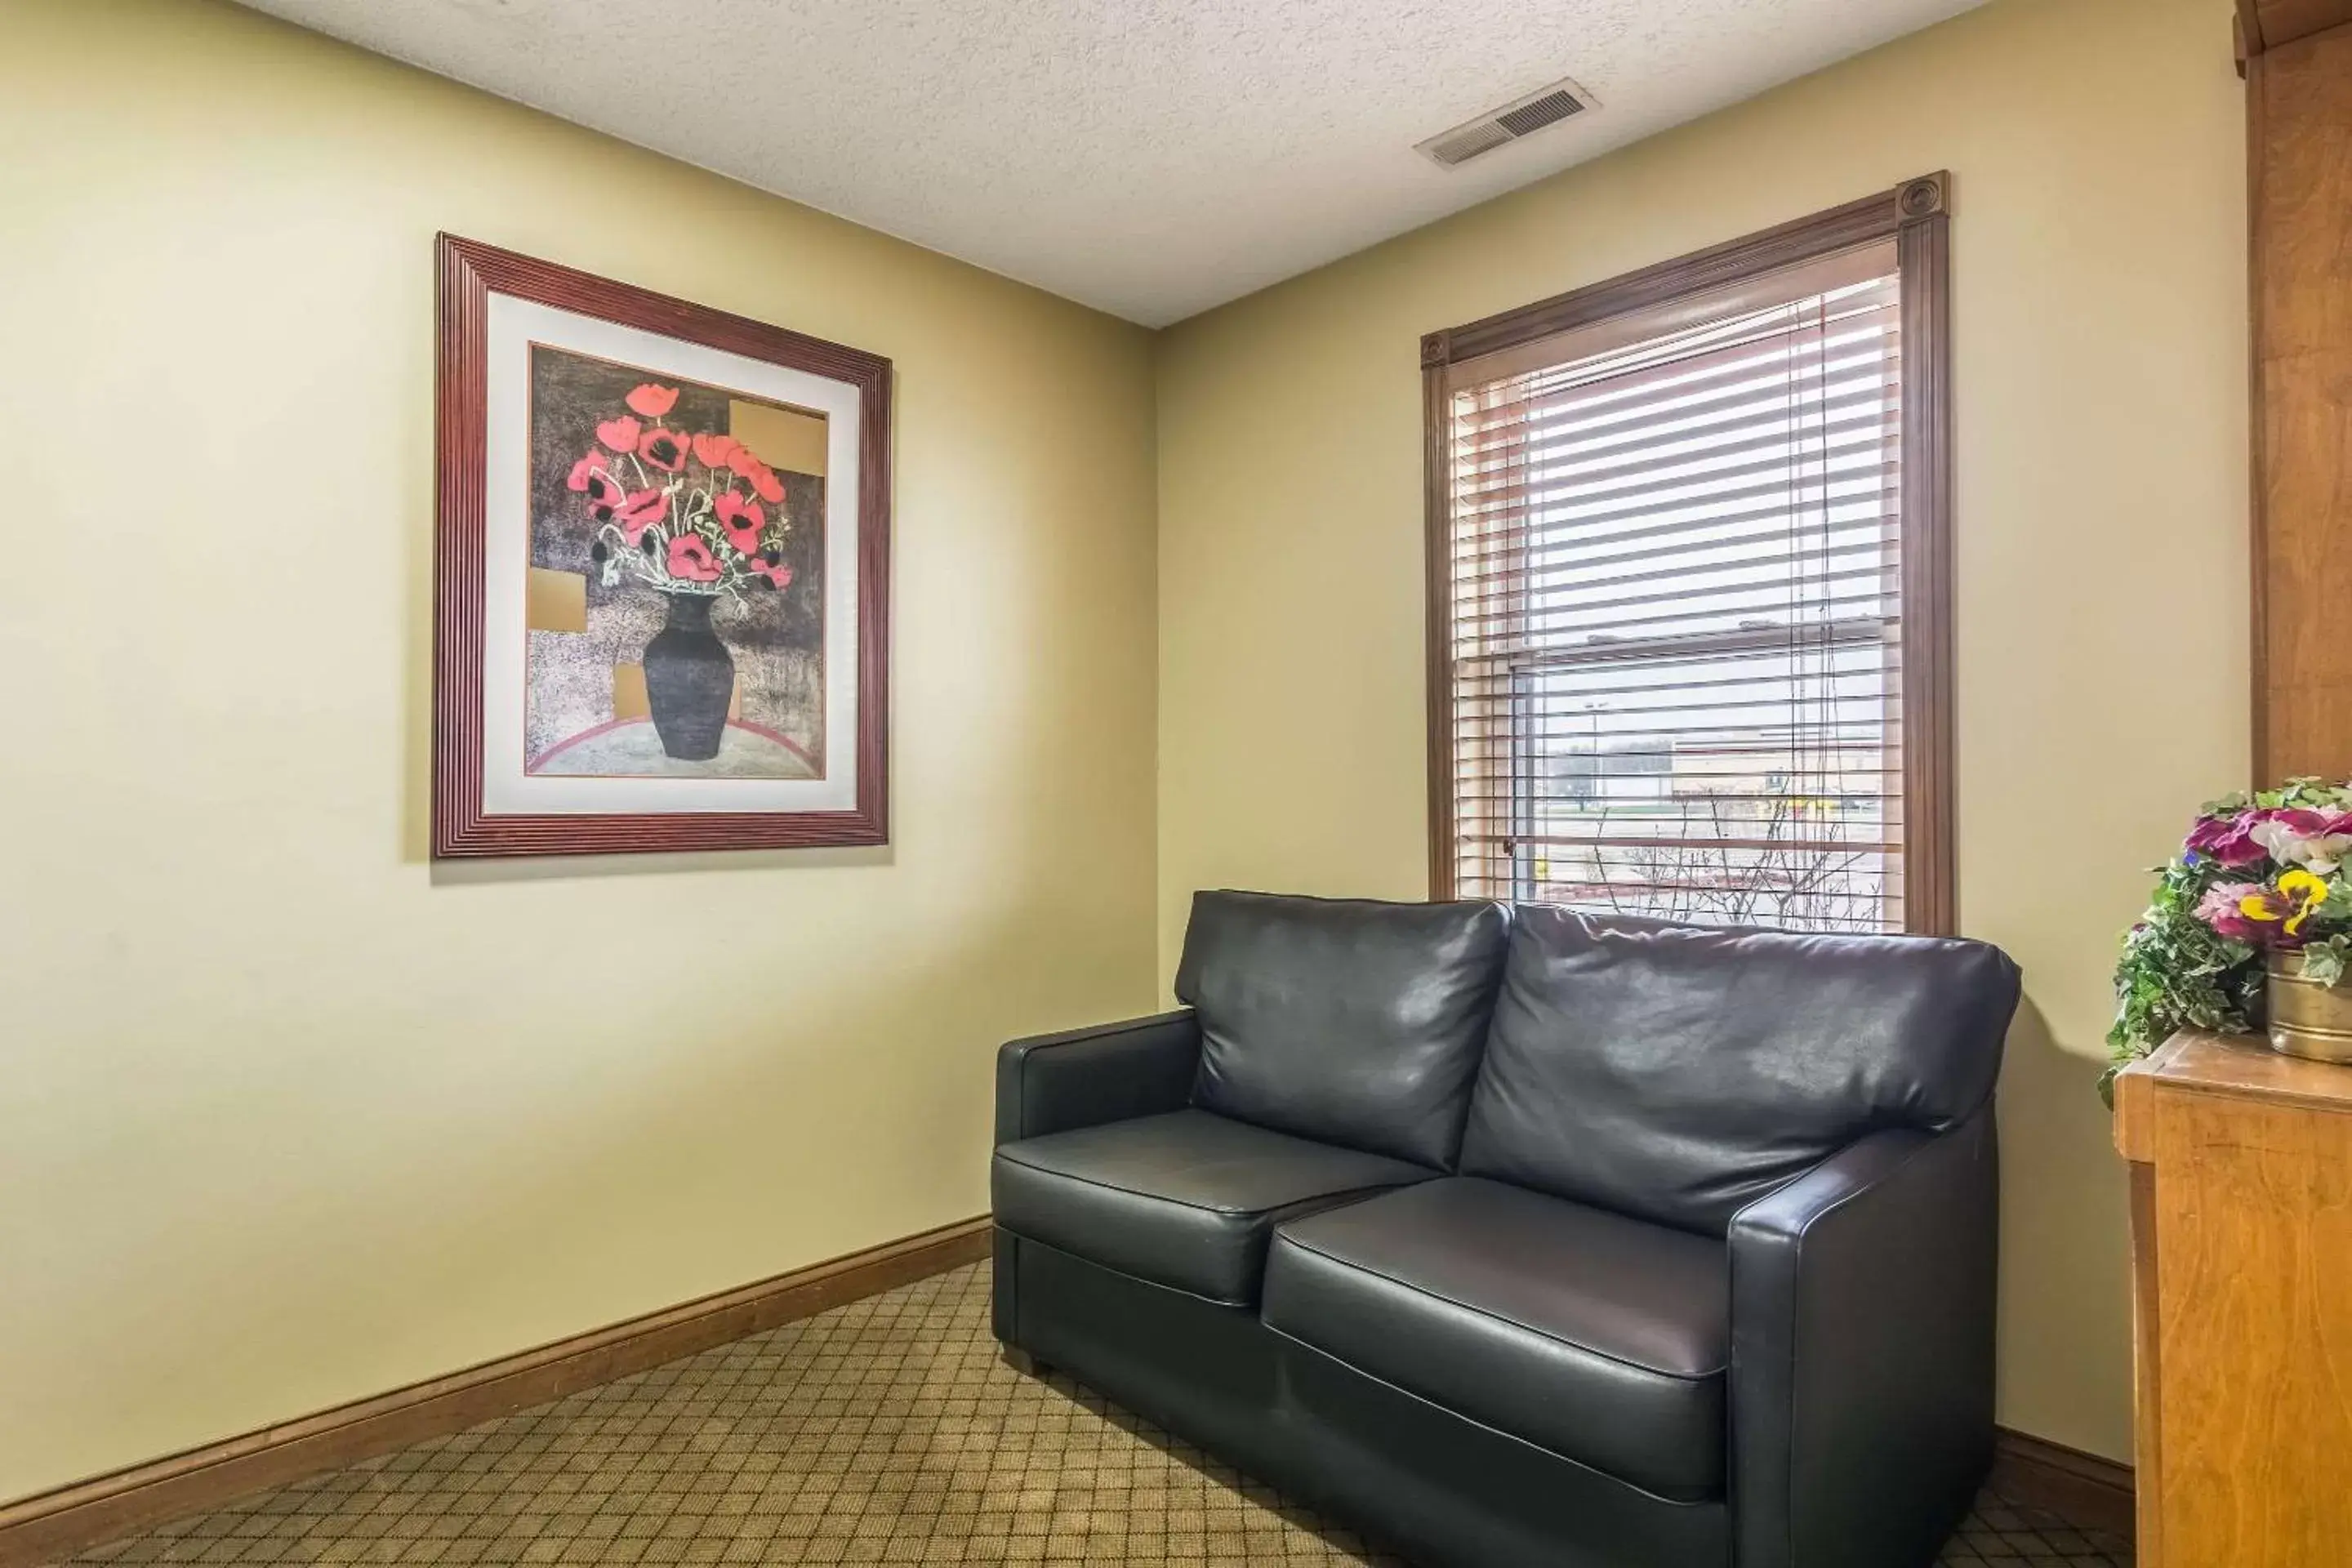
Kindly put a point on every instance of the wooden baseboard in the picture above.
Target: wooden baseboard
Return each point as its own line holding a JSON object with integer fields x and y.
{"x": 55, "y": 1523}
{"x": 2083, "y": 1487}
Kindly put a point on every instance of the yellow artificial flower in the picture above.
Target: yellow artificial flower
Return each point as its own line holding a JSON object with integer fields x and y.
{"x": 2297, "y": 890}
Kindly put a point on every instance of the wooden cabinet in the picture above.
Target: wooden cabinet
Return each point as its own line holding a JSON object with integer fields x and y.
{"x": 2242, "y": 1234}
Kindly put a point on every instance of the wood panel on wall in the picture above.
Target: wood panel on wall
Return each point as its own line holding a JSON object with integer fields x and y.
{"x": 2299, "y": 143}
{"x": 2267, "y": 24}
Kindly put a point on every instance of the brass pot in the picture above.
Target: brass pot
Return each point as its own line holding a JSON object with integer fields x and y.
{"x": 2308, "y": 1019}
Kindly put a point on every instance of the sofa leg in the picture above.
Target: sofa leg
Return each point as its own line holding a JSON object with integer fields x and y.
{"x": 1024, "y": 1363}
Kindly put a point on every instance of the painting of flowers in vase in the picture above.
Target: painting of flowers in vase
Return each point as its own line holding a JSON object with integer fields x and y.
{"x": 661, "y": 569}
{"x": 676, "y": 606}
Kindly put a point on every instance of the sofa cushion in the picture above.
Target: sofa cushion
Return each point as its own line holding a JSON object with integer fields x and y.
{"x": 1354, "y": 1022}
{"x": 1676, "y": 1073}
{"x": 1601, "y": 1338}
{"x": 1186, "y": 1199}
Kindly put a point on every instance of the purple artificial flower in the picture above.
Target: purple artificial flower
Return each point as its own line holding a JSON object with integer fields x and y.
{"x": 2229, "y": 839}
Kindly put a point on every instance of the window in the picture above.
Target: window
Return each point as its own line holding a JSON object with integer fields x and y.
{"x": 1689, "y": 585}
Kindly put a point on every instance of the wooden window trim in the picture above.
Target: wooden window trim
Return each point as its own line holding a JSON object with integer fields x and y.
{"x": 1916, "y": 214}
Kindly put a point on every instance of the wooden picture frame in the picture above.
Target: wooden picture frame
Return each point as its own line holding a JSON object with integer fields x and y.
{"x": 493, "y": 523}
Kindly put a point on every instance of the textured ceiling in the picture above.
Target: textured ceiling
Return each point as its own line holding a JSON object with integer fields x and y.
{"x": 1150, "y": 157}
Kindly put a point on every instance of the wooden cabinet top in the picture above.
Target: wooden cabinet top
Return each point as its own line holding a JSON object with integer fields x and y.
{"x": 2240, "y": 1066}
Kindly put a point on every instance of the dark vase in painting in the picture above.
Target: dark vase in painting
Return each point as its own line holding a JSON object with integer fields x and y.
{"x": 690, "y": 680}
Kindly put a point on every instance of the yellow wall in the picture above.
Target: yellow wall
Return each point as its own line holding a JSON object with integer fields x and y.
{"x": 287, "y": 1116}
{"x": 2098, "y": 154}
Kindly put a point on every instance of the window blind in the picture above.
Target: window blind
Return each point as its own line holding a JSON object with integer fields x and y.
{"x": 1675, "y": 606}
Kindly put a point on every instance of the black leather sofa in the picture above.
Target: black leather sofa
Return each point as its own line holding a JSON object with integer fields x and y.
{"x": 1520, "y": 1237}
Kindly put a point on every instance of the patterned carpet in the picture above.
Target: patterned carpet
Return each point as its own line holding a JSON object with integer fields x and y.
{"x": 886, "y": 1431}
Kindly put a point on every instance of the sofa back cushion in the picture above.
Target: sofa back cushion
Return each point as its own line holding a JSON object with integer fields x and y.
{"x": 1354, "y": 1022}
{"x": 1676, "y": 1073}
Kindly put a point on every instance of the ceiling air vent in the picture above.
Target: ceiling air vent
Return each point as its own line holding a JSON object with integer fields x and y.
{"x": 1545, "y": 106}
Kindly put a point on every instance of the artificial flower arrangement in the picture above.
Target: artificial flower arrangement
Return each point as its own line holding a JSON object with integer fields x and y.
{"x": 2257, "y": 876}
{"x": 686, "y": 511}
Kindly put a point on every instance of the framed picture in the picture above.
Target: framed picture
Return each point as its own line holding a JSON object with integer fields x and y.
{"x": 663, "y": 577}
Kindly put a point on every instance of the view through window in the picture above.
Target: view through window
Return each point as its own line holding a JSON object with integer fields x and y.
{"x": 1675, "y": 609}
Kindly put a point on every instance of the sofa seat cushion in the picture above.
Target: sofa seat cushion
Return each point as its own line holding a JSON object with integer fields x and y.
{"x": 1601, "y": 1338}
{"x": 1187, "y": 1199}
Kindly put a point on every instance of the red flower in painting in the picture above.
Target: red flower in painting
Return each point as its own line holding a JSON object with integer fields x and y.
{"x": 621, "y": 433}
{"x": 664, "y": 449}
{"x": 640, "y": 511}
{"x": 714, "y": 452}
{"x": 604, "y": 498}
{"x": 652, "y": 401}
{"x": 742, "y": 519}
{"x": 690, "y": 560}
{"x": 764, "y": 480}
{"x": 778, "y": 574}
{"x": 583, "y": 471}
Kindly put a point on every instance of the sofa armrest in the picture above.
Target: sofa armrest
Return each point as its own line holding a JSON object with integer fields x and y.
{"x": 1083, "y": 1078}
{"x": 1862, "y": 1351}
